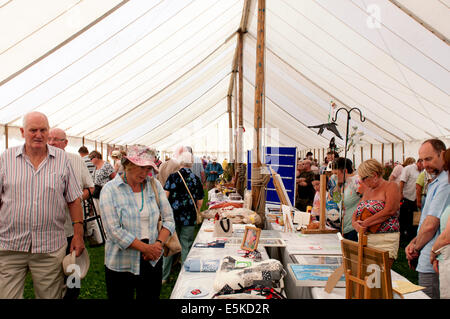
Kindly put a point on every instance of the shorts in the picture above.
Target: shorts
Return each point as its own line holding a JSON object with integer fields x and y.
{"x": 385, "y": 241}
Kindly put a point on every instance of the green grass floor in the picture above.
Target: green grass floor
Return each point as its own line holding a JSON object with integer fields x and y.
{"x": 93, "y": 285}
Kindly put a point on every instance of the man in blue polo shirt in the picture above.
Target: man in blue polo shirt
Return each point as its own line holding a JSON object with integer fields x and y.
{"x": 438, "y": 197}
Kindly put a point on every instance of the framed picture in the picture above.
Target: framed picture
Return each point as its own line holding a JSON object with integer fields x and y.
{"x": 313, "y": 275}
{"x": 251, "y": 238}
{"x": 317, "y": 259}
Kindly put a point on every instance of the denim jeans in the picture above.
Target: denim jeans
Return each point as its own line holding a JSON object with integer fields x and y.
{"x": 186, "y": 237}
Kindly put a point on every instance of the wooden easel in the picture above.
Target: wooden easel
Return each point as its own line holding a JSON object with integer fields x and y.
{"x": 322, "y": 226}
{"x": 284, "y": 199}
{"x": 355, "y": 256}
{"x": 281, "y": 190}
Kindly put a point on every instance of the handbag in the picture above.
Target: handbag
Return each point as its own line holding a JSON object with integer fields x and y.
{"x": 199, "y": 216}
{"x": 366, "y": 214}
{"x": 223, "y": 228}
{"x": 172, "y": 245}
{"x": 97, "y": 190}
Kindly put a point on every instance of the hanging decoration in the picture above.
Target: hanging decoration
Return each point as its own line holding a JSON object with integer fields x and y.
{"x": 354, "y": 139}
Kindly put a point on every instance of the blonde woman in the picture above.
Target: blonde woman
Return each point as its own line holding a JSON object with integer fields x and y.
{"x": 382, "y": 200}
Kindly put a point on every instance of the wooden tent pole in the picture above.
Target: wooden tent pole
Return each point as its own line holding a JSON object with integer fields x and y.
{"x": 392, "y": 153}
{"x": 6, "y": 136}
{"x": 241, "y": 96}
{"x": 403, "y": 151}
{"x": 371, "y": 150}
{"x": 362, "y": 155}
{"x": 230, "y": 129}
{"x": 259, "y": 98}
{"x": 382, "y": 153}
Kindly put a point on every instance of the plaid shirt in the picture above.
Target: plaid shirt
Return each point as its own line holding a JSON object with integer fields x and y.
{"x": 121, "y": 217}
{"x": 33, "y": 201}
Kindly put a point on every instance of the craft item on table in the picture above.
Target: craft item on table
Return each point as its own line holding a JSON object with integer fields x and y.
{"x": 314, "y": 275}
{"x": 226, "y": 204}
{"x": 302, "y": 219}
{"x": 287, "y": 219}
{"x": 195, "y": 292}
{"x": 223, "y": 228}
{"x": 251, "y": 238}
{"x": 255, "y": 255}
{"x": 201, "y": 265}
{"x": 243, "y": 264}
{"x": 272, "y": 242}
{"x": 252, "y": 292}
{"x": 235, "y": 196}
{"x": 248, "y": 199}
{"x": 237, "y": 215}
{"x": 213, "y": 244}
{"x": 268, "y": 273}
{"x": 405, "y": 287}
{"x": 316, "y": 259}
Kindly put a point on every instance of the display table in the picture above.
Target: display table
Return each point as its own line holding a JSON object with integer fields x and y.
{"x": 204, "y": 281}
{"x": 316, "y": 244}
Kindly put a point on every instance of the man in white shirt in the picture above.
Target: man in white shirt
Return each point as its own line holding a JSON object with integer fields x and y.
{"x": 57, "y": 138}
{"x": 407, "y": 185}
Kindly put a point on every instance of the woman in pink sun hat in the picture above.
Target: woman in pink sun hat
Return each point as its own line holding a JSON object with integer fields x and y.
{"x": 131, "y": 206}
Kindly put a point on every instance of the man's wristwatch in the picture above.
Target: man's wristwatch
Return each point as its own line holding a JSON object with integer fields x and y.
{"x": 162, "y": 244}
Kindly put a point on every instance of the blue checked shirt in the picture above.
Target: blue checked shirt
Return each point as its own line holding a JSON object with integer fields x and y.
{"x": 121, "y": 220}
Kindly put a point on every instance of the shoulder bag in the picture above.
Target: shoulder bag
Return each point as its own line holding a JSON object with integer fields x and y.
{"x": 199, "y": 216}
{"x": 172, "y": 246}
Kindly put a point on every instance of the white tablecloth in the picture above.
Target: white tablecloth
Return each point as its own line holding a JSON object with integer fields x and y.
{"x": 205, "y": 280}
{"x": 326, "y": 244}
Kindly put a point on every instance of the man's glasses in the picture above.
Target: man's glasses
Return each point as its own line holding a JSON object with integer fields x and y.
{"x": 51, "y": 139}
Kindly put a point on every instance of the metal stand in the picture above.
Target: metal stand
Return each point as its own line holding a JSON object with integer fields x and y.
{"x": 362, "y": 118}
{"x": 88, "y": 207}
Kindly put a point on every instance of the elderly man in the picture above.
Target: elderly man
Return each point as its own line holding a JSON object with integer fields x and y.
{"x": 57, "y": 138}
{"x": 438, "y": 198}
{"x": 407, "y": 185}
{"x": 213, "y": 170}
{"x": 305, "y": 189}
{"x": 37, "y": 182}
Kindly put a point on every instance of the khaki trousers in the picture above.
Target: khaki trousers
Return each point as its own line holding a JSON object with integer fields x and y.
{"x": 46, "y": 271}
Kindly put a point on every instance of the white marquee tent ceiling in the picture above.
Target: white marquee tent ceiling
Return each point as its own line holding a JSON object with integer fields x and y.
{"x": 158, "y": 72}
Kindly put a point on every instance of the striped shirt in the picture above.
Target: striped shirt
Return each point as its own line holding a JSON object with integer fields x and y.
{"x": 33, "y": 212}
{"x": 89, "y": 164}
{"x": 121, "y": 219}
{"x": 84, "y": 181}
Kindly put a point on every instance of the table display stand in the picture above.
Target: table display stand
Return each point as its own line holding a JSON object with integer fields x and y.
{"x": 322, "y": 225}
{"x": 357, "y": 278}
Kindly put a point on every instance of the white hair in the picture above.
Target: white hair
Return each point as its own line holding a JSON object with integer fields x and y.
{"x": 186, "y": 159}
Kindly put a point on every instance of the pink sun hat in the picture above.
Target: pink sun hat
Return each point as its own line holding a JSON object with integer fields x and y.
{"x": 141, "y": 155}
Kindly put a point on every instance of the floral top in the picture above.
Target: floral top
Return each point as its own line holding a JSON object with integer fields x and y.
{"x": 391, "y": 225}
{"x": 101, "y": 176}
{"x": 183, "y": 208}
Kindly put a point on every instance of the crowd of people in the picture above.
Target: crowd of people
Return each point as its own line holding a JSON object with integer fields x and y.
{"x": 383, "y": 206}
{"x": 143, "y": 201}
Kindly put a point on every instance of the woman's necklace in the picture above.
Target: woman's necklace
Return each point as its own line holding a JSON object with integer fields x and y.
{"x": 142, "y": 191}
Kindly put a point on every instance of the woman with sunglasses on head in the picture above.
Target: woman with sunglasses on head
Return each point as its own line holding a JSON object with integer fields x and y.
{"x": 378, "y": 211}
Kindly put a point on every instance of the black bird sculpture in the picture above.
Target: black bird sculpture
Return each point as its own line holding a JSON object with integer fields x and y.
{"x": 329, "y": 126}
